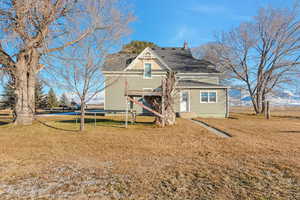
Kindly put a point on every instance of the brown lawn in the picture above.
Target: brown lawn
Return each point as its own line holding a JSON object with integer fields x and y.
{"x": 260, "y": 161}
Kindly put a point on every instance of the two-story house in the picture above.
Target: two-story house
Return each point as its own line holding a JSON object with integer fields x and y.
{"x": 199, "y": 91}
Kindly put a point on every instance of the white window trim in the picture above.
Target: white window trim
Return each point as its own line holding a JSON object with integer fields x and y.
{"x": 208, "y": 91}
{"x": 145, "y": 70}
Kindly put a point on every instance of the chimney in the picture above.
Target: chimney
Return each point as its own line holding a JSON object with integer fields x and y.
{"x": 185, "y": 45}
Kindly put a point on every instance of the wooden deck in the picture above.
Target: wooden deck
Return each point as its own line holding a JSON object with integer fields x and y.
{"x": 130, "y": 94}
{"x": 141, "y": 93}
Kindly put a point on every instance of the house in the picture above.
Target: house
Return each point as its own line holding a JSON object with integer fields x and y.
{"x": 199, "y": 91}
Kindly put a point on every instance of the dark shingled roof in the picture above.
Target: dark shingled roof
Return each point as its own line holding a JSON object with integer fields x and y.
{"x": 178, "y": 59}
{"x": 118, "y": 61}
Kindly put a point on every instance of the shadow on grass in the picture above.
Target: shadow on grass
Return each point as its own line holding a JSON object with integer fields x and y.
{"x": 5, "y": 119}
{"x": 2, "y": 123}
{"x": 99, "y": 122}
{"x": 262, "y": 116}
{"x": 287, "y": 117}
{"x": 297, "y": 132}
{"x": 56, "y": 128}
{"x": 246, "y": 114}
{"x": 105, "y": 122}
{"x": 232, "y": 118}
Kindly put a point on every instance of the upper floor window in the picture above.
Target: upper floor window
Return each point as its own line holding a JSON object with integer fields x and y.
{"x": 208, "y": 97}
{"x": 147, "y": 70}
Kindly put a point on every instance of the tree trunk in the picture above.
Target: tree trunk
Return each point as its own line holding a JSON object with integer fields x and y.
{"x": 170, "y": 118}
{"x": 267, "y": 110}
{"x": 164, "y": 103}
{"x": 254, "y": 105}
{"x": 25, "y": 96}
{"x": 82, "y": 116}
{"x": 263, "y": 103}
{"x": 258, "y": 102}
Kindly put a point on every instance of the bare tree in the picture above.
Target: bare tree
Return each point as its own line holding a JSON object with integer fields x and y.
{"x": 262, "y": 54}
{"x": 37, "y": 28}
{"x": 77, "y": 70}
{"x": 166, "y": 108}
{"x": 209, "y": 52}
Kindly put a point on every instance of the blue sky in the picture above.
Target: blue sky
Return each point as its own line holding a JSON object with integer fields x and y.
{"x": 170, "y": 22}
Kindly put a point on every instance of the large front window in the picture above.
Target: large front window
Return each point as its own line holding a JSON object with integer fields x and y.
{"x": 208, "y": 97}
{"x": 147, "y": 70}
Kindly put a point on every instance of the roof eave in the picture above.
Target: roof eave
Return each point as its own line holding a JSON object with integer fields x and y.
{"x": 178, "y": 73}
{"x": 193, "y": 73}
{"x": 203, "y": 87}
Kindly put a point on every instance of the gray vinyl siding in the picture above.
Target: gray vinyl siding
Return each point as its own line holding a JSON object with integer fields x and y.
{"x": 217, "y": 109}
{"x": 115, "y": 99}
{"x": 114, "y": 94}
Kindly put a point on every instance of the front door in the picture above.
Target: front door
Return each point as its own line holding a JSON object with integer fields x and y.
{"x": 184, "y": 101}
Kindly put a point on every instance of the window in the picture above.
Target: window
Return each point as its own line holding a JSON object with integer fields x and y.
{"x": 204, "y": 97}
{"x": 184, "y": 96}
{"x": 212, "y": 97}
{"x": 147, "y": 70}
{"x": 208, "y": 97}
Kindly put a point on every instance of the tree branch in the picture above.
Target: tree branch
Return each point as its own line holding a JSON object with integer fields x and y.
{"x": 5, "y": 59}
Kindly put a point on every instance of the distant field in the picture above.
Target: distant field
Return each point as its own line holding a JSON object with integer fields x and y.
{"x": 276, "y": 110}
{"x": 260, "y": 161}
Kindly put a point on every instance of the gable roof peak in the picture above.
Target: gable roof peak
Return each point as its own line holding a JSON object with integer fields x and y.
{"x": 149, "y": 53}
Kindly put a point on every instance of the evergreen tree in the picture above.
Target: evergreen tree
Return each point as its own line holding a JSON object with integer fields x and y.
{"x": 64, "y": 101}
{"x": 39, "y": 95}
{"x": 136, "y": 47}
{"x": 44, "y": 103}
{"x": 51, "y": 99}
{"x": 8, "y": 96}
{"x": 73, "y": 102}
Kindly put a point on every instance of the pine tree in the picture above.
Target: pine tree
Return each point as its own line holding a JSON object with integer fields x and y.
{"x": 39, "y": 95}
{"x": 44, "y": 103}
{"x": 8, "y": 96}
{"x": 73, "y": 102}
{"x": 64, "y": 101}
{"x": 51, "y": 99}
{"x": 136, "y": 47}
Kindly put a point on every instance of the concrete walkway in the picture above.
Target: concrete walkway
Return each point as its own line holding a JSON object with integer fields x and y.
{"x": 211, "y": 129}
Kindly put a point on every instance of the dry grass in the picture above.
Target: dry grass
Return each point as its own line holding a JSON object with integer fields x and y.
{"x": 260, "y": 161}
